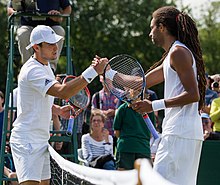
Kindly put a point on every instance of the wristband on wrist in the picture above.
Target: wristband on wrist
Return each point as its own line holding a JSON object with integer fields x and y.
{"x": 110, "y": 74}
{"x": 158, "y": 105}
{"x": 89, "y": 74}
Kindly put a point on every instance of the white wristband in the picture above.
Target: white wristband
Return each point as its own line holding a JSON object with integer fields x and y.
{"x": 158, "y": 105}
{"x": 89, "y": 74}
{"x": 110, "y": 74}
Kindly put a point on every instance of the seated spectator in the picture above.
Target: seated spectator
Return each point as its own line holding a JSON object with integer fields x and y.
{"x": 215, "y": 117}
{"x": 27, "y": 23}
{"x": 97, "y": 146}
{"x": 206, "y": 124}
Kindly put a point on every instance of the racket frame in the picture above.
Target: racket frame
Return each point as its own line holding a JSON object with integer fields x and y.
{"x": 79, "y": 109}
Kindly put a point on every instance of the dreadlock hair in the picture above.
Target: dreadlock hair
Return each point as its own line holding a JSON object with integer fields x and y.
{"x": 181, "y": 26}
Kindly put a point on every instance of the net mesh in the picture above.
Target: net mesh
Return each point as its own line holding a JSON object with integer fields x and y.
{"x": 64, "y": 172}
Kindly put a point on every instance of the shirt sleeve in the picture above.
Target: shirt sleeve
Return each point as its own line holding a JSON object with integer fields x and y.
{"x": 40, "y": 81}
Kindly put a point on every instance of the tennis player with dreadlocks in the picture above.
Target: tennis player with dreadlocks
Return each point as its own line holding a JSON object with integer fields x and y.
{"x": 182, "y": 71}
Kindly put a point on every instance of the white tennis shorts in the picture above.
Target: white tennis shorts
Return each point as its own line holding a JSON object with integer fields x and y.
{"x": 32, "y": 161}
{"x": 177, "y": 159}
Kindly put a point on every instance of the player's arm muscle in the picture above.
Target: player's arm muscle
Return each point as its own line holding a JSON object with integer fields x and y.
{"x": 68, "y": 89}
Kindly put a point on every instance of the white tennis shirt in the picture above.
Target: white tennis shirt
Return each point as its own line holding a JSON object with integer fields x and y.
{"x": 34, "y": 106}
{"x": 182, "y": 121}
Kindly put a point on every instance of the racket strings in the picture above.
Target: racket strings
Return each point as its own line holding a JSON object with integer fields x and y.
{"x": 132, "y": 72}
{"x": 80, "y": 100}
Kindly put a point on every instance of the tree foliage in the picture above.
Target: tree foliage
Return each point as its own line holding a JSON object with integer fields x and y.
{"x": 210, "y": 38}
{"x": 109, "y": 27}
{"x": 3, "y": 47}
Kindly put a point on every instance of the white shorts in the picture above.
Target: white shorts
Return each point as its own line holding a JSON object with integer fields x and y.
{"x": 177, "y": 159}
{"x": 32, "y": 161}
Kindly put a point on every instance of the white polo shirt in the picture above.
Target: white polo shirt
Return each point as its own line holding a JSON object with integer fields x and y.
{"x": 34, "y": 106}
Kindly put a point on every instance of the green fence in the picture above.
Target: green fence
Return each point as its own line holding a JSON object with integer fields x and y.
{"x": 209, "y": 168}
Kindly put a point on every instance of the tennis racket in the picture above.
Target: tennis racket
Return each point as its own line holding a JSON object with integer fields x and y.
{"x": 125, "y": 78}
{"x": 79, "y": 102}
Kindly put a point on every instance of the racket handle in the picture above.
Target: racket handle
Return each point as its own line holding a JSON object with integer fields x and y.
{"x": 150, "y": 126}
{"x": 69, "y": 130}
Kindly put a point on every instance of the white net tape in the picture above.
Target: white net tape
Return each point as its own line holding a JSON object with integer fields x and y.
{"x": 68, "y": 173}
{"x": 92, "y": 175}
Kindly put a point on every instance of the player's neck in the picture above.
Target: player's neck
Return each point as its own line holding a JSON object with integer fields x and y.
{"x": 40, "y": 59}
{"x": 169, "y": 43}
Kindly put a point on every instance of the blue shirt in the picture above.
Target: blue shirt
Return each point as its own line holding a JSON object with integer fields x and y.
{"x": 209, "y": 96}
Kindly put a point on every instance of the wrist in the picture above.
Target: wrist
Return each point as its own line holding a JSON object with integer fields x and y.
{"x": 158, "y": 105}
{"x": 89, "y": 74}
{"x": 110, "y": 74}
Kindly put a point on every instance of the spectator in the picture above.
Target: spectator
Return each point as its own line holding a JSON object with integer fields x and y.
{"x": 133, "y": 137}
{"x": 52, "y": 7}
{"x": 97, "y": 146}
{"x": 206, "y": 123}
{"x": 215, "y": 87}
{"x": 215, "y": 117}
{"x": 106, "y": 102}
{"x": 209, "y": 96}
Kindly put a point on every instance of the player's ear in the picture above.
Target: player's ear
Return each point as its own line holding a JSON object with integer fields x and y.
{"x": 36, "y": 47}
{"x": 161, "y": 27}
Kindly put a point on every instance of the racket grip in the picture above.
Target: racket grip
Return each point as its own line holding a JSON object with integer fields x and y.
{"x": 69, "y": 130}
{"x": 150, "y": 126}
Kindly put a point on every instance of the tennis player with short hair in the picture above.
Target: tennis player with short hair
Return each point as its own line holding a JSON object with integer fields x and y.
{"x": 182, "y": 71}
{"x": 36, "y": 88}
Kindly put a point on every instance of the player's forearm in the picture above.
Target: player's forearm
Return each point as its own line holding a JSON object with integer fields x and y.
{"x": 154, "y": 77}
{"x": 65, "y": 91}
{"x": 184, "y": 98}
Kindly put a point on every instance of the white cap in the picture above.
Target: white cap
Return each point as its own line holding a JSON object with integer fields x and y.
{"x": 42, "y": 33}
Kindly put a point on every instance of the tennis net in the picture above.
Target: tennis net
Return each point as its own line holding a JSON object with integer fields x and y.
{"x": 64, "y": 172}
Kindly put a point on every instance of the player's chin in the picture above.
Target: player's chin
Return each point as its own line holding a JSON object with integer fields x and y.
{"x": 54, "y": 57}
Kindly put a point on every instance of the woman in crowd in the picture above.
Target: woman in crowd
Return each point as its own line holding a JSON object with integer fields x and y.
{"x": 97, "y": 146}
